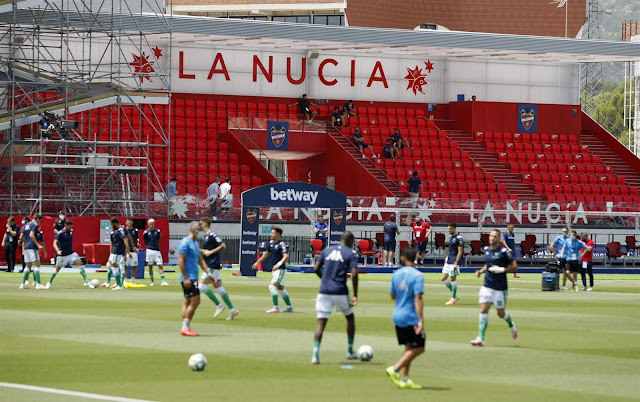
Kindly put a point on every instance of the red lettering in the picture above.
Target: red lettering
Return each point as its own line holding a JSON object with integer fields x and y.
{"x": 221, "y": 70}
{"x": 181, "y": 73}
{"x": 303, "y": 75}
{"x": 353, "y": 73}
{"x": 321, "y": 76}
{"x": 381, "y": 78}
{"x": 258, "y": 64}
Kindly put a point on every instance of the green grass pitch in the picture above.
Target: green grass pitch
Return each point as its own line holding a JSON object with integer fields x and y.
{"x": 572, "y": 347}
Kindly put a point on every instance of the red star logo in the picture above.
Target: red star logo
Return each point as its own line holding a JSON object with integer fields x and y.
{"x": 429, "y": 66}
{"x": 416, "y": 80}
{"x": 142, "y": 67}
{"x": 157, "y": 52}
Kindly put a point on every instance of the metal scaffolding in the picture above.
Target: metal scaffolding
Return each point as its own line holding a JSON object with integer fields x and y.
{"x": 631, "y": 32}
{"x": 104, "y": 79}
{"x": 591, "y": 73}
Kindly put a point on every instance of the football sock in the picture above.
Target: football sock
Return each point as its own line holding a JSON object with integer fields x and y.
{"x": 225, "y": 297}
{"x": 36, "y": 275}
{"x": 316, "y": 349}
{"x": 405, "y": 379}
{"x": 205, "y": 289}
{"x": 116, "y": 274}
{"x": 454, "y": 289}
{"x": 507, "y": 318}
{"x": 482, "y": 325}
{"x": 350, "y": 341}
{"x": 447, "y": 283}
{"x": 151, "y": 277}
{"x": 53, "y": 276}
{"x": 84, "y": 274}
{"x": 274, "y": 295}
{"x": 123, "y": 275}
{"x": 162, "y": 277}
{"x": 25, "y": 275}
{"x": 186, "y": 323}
{"x": 109, "y": 273}
{"x": 285, "y": 297}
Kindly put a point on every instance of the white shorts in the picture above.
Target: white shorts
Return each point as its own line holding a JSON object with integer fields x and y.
{"x": 449, "y": 270}
{"x": 215, "y": 272}
{"x": 154, "y": 257}
{"x": 116, "y": 260}
{"x": 63, "y": 260}
{"x": 31, "y": 256}
{"x": 278, "y": 276}
{"x": 496, "y": 297}
{"x": 132, "y": 261}
{"x": 325, "y": 303}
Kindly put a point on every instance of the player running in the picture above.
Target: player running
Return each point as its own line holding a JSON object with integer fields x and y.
{"x": 450, "y": 268}
{"x": 421, "y": 230}
{"x": 407, "y": 288}
{"x": 151, "y": 238}
{"x": 132, "y": 260}
{"x": 571, "y": 250}
{"x": 212, "y": 245}
{"x": 63, "y": 244}
{"x": 119, "y": 248}
{"x": 556, "y": 248}
{"x": 189, "y": 257}
{"x": 390, "y": 229}
{"x": 32, "y": 248}
{"x": 498, "y": 261}
{"x": 279, "y": 252}
{"x": 333, "y": 265}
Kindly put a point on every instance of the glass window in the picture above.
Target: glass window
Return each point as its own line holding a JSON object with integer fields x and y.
{"x": 334, "y": 20}
{"x": 320, "y": 19}
{"x": 264, "y": 18}
{"x": 304, "y": 19}
{"x": 291, "y": 19}
{"x": 278, "y": 19}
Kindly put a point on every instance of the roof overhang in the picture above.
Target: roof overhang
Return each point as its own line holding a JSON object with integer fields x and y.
{"x": 221, "y": 32}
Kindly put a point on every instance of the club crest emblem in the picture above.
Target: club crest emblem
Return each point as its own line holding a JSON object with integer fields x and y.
{"x": 337, "y": 217}
{"x": 416, "y": 79}
{"x": 278, "y": 134}
{"x": 143, "y": 67}
{"x": 251, "y": 215}
{"x": 527, "y": 117}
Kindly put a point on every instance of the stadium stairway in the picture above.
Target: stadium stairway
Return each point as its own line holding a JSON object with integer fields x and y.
{"x": 611, "y": 158}
{"x": 491, "y": 164}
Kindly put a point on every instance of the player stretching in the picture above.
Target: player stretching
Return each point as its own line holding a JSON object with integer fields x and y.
{"x": 63, "y": 244}
{"x": 333, "y": 265}
{"x": 189, "y": 258}
{"x": 279, "y": 252}
{"x": 132, "y": 259}
{"x": 498, "y": 261}
{"x": 119, "y": 248}
{"x": 407, "y": 288}
{"x": 212, "y": 245}
{"x": 151, "y": 238}
{"x": 450, "y": 269}
{"x": 421, "y": 230}
{"x": 32, "y": 248}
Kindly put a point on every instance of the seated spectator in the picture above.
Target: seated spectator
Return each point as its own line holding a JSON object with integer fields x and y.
{"x": 398, "y": 141}
{"x": 304, "y": 105}
{"x": 390, "y": 151}
{"x": 348, "y": 110}
{"x": 473, "y": 98}
{"x": 336, "y": 117}
{"x": 358, "y": 140}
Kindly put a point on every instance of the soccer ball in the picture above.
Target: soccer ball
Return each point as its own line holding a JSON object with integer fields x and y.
{"x": 197, "y": 362}
{"x": 95, "y": 282}
{"x": 365, "y": 352}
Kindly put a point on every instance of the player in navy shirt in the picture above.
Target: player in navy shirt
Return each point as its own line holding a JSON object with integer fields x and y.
{"x": 509, "y": 241}
{"x": 32, "y": 247}
{"x": 450, "y": 269}
{"x": 63, "y": 245}
{"x": 320, "y": 229}
{"x": 337, "y": 119}
{"x": 333, "y": 266}
{"x": 407, "y": 288}
{"x": 119, "y": 249}
{"x": 304, "y": 105}
{"x": 210, "y": 248}
{"x": 358, "y": 140}
{"x": 498, "y": 261}
{"x": 391, "y": 229}
{"x": 348, "y": 110}
{"x": 10, "y": 243}
{"x": 279, "y": 252}
{"x": 132, "y": 261}
{"x": 415, "y": 187}
{"x": 398, "y": 141}
{"x": 389, "y": 150}
{"x": 151, "y": 238}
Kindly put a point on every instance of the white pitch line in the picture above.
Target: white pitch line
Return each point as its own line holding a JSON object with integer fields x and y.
{"x": 70, "y": 393}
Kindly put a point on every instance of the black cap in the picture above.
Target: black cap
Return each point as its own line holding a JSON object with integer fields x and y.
{"x": 392, "y": 217}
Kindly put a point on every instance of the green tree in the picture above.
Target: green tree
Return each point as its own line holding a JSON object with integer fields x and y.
{"x": 609, "y": 111}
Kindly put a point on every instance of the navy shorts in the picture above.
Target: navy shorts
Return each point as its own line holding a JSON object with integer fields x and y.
{"x": 390, "y": 246}
{"x": 573, "y": 266}
{"x": 193, "y": 291}
{"x": 562, "y": 262}
{"x": 421, "y": 246}
{"x": 407, "y": 336}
